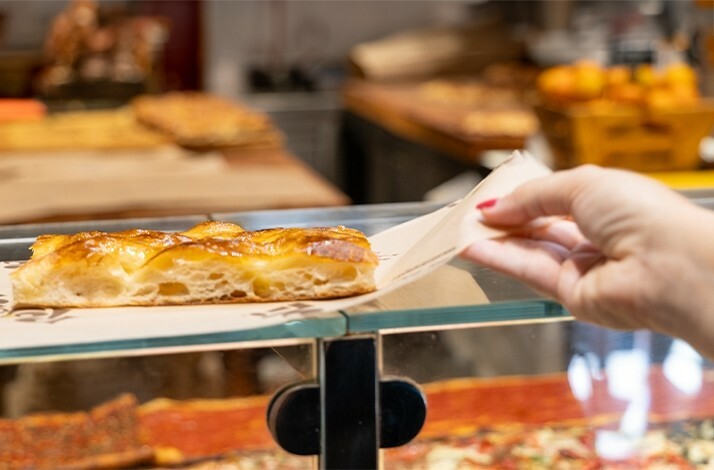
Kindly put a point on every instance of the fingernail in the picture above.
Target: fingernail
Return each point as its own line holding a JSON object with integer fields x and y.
{"x": 486, "y": 204}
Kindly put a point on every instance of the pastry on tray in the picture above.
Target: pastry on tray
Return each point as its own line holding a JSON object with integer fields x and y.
{"x": 194, "y": 119}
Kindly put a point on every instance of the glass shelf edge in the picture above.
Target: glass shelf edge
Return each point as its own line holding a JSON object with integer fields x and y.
{"x": 277, "y": 335}
{"x": 345, "y": 323}
{"x": 442, "y": 318}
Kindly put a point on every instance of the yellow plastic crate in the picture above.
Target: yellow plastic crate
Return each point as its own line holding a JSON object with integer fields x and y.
{"x": 627, "y": 137}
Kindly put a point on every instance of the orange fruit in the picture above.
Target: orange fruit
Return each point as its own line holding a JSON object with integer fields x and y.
{"x": 660, "y": 99}
{"x": 631, "y": 93}
{"x": 589, "y": 81}
{"x": 680, "y": 74}
{"x": 684, "y": 94}
{"x": 558, "y": 82}
{"x": 647, "y": 76}
{"x": 618, "y": 75}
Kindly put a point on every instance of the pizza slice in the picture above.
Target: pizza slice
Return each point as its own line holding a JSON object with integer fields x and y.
{"x": 105, "y": 437}
{"x": 213, "y": 262}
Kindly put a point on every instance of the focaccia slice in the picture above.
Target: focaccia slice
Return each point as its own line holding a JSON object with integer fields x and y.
{"x": 195, "y": 119}
{"x": 214, "y": 262}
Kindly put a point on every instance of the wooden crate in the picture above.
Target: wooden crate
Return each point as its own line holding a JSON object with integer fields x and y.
{"x": 627, "y": 137}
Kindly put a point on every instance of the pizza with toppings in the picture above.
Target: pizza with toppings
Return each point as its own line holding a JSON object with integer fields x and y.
{"x": 105, "y": 437}
{"x": 682, "y": 446}
{"x": 231, "y": 434}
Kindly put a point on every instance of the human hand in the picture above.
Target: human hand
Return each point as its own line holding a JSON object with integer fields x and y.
{"x": 630, "y": 253}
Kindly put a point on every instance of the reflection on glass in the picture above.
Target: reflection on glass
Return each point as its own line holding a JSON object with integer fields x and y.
{"x": 627, "y": 373}
{"x": 613, "y": 445}
{"x": 564, "y": 395}
{"x": 683, "y": 367}
{"x": 582, "y": 370}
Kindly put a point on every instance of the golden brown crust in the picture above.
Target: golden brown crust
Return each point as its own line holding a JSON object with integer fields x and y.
{"x": 221, "y": 238}
{"x": 339, "y": 244}
{"x": 213, "y": 262}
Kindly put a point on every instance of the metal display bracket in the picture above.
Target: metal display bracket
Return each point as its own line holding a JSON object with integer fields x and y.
{"x": 351, "y": 412}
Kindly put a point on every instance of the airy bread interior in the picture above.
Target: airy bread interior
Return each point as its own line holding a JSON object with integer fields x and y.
{"x": 212, "y": 263}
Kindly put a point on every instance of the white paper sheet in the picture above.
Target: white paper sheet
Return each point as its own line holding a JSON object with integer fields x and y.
{"x": 406, "y": 252}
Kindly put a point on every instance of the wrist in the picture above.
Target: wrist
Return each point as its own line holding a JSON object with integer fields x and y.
{"x": 691, "y": 278}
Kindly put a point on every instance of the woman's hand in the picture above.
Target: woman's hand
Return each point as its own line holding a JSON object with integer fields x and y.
{"x": 629, "y": 254}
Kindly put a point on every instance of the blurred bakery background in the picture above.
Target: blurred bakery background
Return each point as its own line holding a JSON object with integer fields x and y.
{"x": 149, "y": 108}
{"x": 118, "y": 108}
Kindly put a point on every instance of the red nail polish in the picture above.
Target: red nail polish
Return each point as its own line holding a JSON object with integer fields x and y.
{"x": 486, "y": 204}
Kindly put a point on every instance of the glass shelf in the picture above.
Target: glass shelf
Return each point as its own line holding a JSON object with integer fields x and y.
{"x": 497, "y": 313}
{"x": 290, "y": 333}
{"x": 501, "y": 300}
{"x": 486, "y": 298}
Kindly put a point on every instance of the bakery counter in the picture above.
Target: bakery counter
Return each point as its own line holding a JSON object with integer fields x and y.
{"x": 473, "y": 296}
{"x": 456, "y": 295}
{"x": 463, "y": 368}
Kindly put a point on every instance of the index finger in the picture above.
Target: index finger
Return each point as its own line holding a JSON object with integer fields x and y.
{"x": 552, "y": 195}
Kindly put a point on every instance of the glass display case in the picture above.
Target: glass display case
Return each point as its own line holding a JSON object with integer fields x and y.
{"x": 463, "y": 368}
